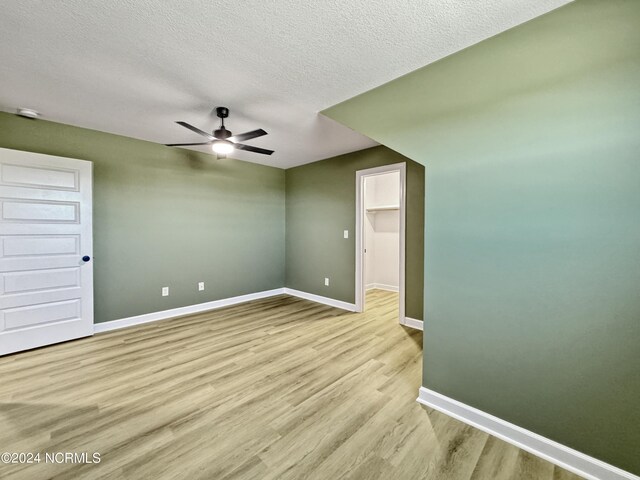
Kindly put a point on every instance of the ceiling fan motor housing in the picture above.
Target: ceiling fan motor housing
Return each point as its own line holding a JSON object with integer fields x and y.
{"x": 222, "y": 133}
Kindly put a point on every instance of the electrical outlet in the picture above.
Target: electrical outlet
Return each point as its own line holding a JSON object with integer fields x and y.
{"x": 165, "y": 291}
{"x": 346, "y": 234}
{"x": 326, "y": 282}
{"x": 200, "y": 286}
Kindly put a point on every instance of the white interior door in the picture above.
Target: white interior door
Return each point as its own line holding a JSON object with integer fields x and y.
{"x": 46, "y": 287}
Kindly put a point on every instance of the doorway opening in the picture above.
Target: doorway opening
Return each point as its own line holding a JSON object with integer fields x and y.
{"x": 380, "y": 236}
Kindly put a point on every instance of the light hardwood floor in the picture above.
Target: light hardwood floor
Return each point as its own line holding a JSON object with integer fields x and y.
{"x": 279, "y": 388}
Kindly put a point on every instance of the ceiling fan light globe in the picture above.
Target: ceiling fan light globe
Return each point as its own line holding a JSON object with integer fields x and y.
{"x": 222, "y": 147}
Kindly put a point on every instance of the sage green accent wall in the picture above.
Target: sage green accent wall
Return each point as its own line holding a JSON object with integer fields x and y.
{"x": 168, "y": 217}
{"x": 531, "y": 141}
{"x": 321, "y": 204}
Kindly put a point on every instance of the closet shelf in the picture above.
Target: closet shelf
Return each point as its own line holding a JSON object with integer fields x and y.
{"x": 382, "y": 208}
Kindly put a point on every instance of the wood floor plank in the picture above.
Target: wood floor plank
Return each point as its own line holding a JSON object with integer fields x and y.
{"x": 279, "y": 388}
{"x": 530, "y": 467}
{"x": 562, "y": 474}
{"x": 497, "y": 461}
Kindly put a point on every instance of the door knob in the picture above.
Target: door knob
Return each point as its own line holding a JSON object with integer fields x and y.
{"x": 86, "y": 258}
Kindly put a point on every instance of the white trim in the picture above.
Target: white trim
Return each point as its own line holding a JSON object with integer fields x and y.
{"x": 360, "y": 286}
{"x": 320, "y": 299}
{"x": 413, "y": 323}
{"x": 181, "y": 311}
{"x": 382, "y": 286}
{"x": 225, "y": 302}
{"x": 554, "y": 452}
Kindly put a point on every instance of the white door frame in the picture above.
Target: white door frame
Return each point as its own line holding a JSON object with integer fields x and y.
{"x": 360, "y": 284}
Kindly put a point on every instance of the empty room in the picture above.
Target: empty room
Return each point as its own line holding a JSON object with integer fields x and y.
{"x": 320, "y": 240}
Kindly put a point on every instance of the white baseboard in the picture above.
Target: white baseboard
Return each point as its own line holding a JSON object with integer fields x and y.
{"x": 320, "y": 299}
{"x": 225, "y": 302}
{"x": 565, "y": 457}
{"x": 413, "y": 323}
{"x": 382, "y": 286}
{"x": 181, "y": 311}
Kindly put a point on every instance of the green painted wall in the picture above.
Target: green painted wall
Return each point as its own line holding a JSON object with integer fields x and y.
{"x": 167, "y": 216}
{"x": 321, "y": 203}
{"x": 531, "y": 142}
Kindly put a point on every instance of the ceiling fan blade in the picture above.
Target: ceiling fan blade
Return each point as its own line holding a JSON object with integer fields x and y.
{"x": 185, "y": 144}
{"x": 247, "y": 136}
{"x": 249, "y": 148}
{"x": 197, "y": 130}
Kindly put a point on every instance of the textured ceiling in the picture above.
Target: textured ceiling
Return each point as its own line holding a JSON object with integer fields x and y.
{"x": 133, "y": 67}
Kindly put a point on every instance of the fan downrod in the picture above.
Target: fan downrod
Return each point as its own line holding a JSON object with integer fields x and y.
{"x": 222, "y": 133}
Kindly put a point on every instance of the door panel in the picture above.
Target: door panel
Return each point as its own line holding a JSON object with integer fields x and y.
{"x": 34, "y": 280}
{"x": 39, "y": 177}
{"x": 31, "y": 246}
{"x": 46, "y": 289}
{"x": 39, "y": 314}
{"x": 41, "y": 212}
{"x": 44, "y": 296}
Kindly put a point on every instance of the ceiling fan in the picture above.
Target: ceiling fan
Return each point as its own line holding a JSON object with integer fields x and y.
{"x": 221, "y": 140}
